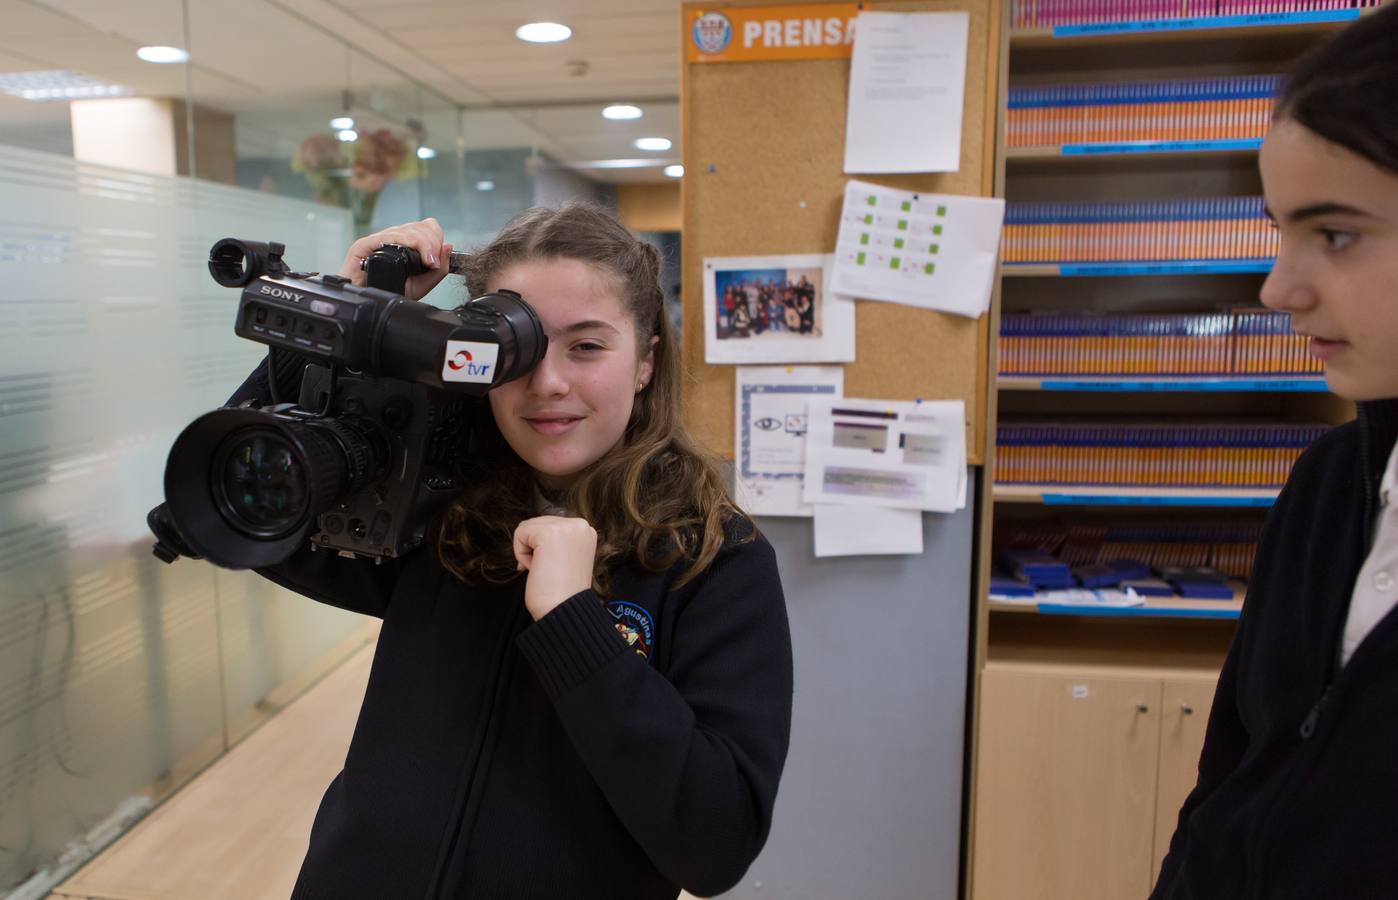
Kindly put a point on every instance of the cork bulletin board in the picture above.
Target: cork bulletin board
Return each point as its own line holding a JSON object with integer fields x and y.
{"x": 764, "y": 158}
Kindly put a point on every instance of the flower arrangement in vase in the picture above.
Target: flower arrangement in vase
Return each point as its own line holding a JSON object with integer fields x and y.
{"x": 354, "y": 180}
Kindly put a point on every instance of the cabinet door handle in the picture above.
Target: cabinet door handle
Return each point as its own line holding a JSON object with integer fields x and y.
{"x": 1186, "y": 709}
{"x": 1142, "y": 708}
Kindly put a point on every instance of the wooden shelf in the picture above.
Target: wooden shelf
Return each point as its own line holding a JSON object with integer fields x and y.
{"x": 1094, "y": 495}
{"x": 1081, "y": 153}
{"x": 1153, "y": 607}
{"x": 1136, "y": 269}
{"x": 1202, "y": 28}
{"x": 1268, "y": 384}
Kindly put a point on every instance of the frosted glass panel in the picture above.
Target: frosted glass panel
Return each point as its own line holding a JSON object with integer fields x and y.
{"x": 121, "y": 676}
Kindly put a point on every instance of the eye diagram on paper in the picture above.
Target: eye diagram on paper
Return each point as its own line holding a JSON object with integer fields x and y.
{"x": 770, "y": 432}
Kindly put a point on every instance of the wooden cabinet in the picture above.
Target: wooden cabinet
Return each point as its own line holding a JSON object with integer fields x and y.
{"x": 1077, "y": 773}
{"x": 1184, "y": 714}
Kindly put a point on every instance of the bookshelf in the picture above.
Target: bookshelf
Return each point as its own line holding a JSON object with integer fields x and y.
{"x": 1236, "y": 29}
{"x": 1230, "y": 384}
{"x": 1119, "y": 672}
{"x": 1136, "y": 269}
{"x": 1096, "y": 495}
{"x": 1150, "y": 608}
{"x": 1089, "y": 153}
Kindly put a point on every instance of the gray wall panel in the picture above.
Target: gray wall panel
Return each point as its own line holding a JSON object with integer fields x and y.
{"x": 870, "y": 803}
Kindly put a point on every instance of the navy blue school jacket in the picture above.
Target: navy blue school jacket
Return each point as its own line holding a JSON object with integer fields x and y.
{"x": 618, "y": 748}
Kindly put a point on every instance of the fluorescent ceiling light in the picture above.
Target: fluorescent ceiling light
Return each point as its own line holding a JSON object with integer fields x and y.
{"x": 426, "y": 153}
{"x": 348, "y": 135}
{"x": 619, "y": 163}
{"x": 653, "y": 143}
{"x": 163, "y": 55}
{"x": 485, "y": 185}
{"x": 543, "y": 32}
{"x": 675, "y": 171}
{"x": 341, "y": 123}
{"x": 57, "y": 84}
{"x": 621, "y": 111}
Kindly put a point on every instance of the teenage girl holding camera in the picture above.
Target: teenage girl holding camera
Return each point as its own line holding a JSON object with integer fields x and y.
{"x": 583, "y": 690}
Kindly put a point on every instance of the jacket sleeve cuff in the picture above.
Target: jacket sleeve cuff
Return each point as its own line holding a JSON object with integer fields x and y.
{"x": 570, "y": 643}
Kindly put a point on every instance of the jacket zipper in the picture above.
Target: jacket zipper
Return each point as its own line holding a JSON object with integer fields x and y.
{"x": 1308, "y": 724}
{"x": 497, "y": 678}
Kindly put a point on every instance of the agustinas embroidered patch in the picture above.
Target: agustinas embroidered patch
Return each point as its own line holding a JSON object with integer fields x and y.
{"x": 635, "y": 626}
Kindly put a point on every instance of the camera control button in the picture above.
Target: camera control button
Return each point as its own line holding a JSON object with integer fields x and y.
{"x": 324, "y": 307}
{"x": 334, "y": 280}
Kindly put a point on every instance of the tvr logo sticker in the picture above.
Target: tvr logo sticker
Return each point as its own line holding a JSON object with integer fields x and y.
{"x": 469, "y": 361}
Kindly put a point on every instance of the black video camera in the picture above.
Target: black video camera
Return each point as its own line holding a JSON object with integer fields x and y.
{"x": 370, "y": 453}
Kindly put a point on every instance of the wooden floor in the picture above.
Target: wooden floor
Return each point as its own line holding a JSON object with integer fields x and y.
{"x": 238, "y": 830}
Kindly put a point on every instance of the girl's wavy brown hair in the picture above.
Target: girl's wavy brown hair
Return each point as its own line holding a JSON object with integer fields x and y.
{"x": 657, "y": 498}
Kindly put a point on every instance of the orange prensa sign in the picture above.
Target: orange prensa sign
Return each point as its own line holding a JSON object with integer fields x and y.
{"x": 752, "y": 33}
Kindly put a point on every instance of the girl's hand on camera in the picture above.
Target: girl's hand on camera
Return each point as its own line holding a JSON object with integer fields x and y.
{"x": 558, "y": 553}
{"x": 425, "y": 237}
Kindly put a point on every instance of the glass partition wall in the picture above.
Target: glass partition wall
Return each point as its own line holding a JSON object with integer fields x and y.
{"x": 121, "y": 677}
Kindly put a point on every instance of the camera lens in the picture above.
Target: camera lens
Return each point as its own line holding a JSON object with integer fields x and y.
{"x": 244, "y": 486}
{"x": 263, "y": 482}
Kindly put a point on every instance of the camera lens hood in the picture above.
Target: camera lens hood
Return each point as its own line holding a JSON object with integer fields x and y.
{"x": 244, "y": 487}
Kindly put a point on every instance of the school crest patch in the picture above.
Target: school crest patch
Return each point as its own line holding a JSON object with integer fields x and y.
{"x": 635, "y": 626}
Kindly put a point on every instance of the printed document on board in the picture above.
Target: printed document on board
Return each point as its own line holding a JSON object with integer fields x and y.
{"x": 907, "y": 78}
{"x": 937, "y": 251}
{"x": 908, "y": 455}
{"x": 848, "y": 530}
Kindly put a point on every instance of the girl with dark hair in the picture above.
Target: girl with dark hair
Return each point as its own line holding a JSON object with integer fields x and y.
{"x": 583, "y": 690}
{"x": 1297, "y": 793}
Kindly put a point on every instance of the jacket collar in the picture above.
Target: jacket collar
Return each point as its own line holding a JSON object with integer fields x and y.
{"x": 1378, "y": 428}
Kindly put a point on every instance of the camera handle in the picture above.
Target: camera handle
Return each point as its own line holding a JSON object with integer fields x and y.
{"x": 389, "y": 267}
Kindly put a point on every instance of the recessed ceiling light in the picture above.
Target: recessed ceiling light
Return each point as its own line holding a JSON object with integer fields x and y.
{"x": 348, "y": 135}
{"x": 675, "y": 171}
{"x": 543, "y": 32}
{"x": 341, "y": 123}
{"x": 485, "y": 185}
{"x": 163, "y": 55}
{"x": 653, "y": 143}
{"x": 621, "y": 111}
{"x": 426, "y": 153}
{"x": 57, "y": 84}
